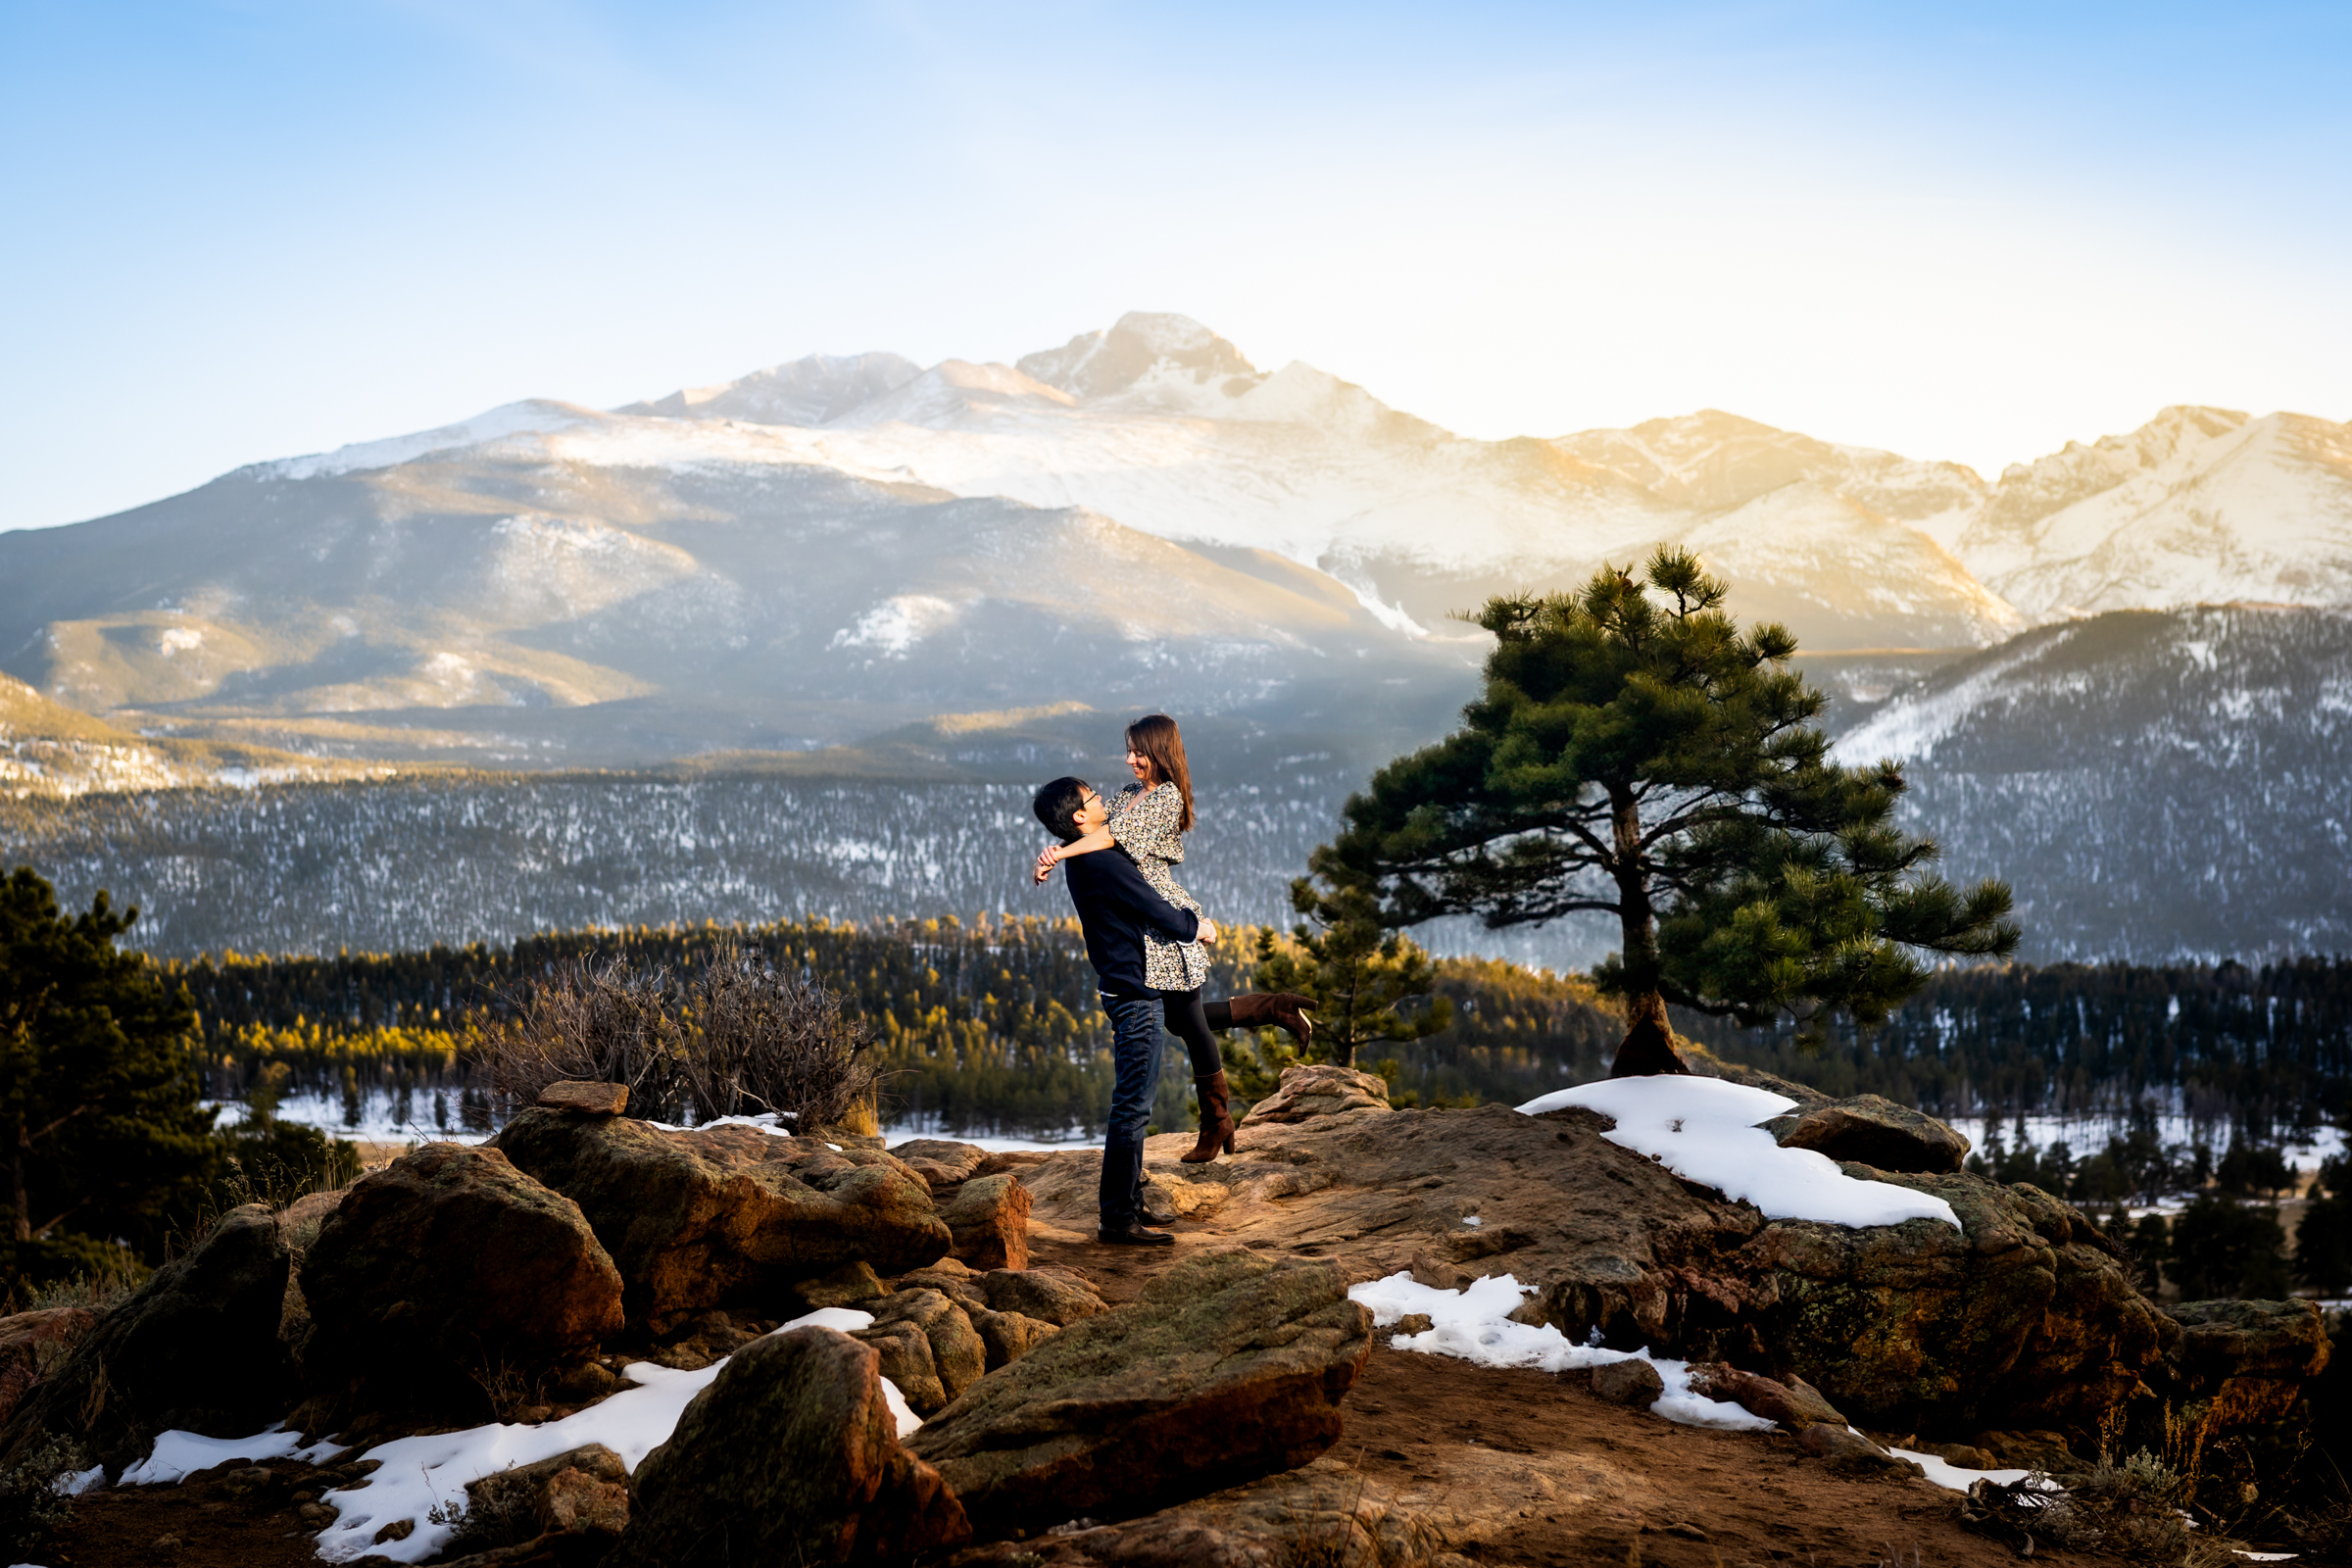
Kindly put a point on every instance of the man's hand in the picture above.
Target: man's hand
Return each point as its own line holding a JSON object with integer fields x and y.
{"x": 1208, "y": 931}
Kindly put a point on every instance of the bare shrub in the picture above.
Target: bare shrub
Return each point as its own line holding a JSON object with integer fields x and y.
{"x": 733, "y": 1037}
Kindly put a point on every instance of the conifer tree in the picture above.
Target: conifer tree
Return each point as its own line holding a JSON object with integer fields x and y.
{"x": 1358, "y": 972}
{"x": 1640, "y": 756}
{"x": 99, "y": 1122}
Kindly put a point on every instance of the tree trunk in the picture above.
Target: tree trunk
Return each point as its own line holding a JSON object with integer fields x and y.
{"x": 1647, "y": 1048}
{"x": 23, "y": 1216}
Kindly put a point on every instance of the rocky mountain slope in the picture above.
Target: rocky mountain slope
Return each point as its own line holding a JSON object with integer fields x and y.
{"x": 2154, "y": 784}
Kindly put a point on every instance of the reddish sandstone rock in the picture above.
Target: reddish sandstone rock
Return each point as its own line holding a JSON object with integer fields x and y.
{"x": 1322, "y": 1089}
{"x": 588, "y": 1099}
{"x": 30, "y": 1342}
{"x": 1226, "y": 1368}
{"x": 989, "y": 1218}
{"x": 727, "y": 1216}
{"x": 443, "y": 1274}
{"x": 825, "y": 1482}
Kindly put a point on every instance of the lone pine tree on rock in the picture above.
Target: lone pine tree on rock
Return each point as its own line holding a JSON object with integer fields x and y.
{"x": 1635, "y": 754}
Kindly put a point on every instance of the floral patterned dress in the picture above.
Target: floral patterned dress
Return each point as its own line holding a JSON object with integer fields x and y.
{"x": 1142, "y": 823}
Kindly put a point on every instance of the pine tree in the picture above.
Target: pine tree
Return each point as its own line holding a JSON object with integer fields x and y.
{"x": 1358, "y": 972}
{"x": 2223, "y": 1248}
{"x": 1644, "y": 758}
{"x": 98, "y": 1098}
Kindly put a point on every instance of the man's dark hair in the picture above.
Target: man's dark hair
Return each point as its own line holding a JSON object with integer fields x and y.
{"x": 1056, "y": 806}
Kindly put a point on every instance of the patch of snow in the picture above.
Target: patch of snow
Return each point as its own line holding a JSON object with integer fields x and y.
{"x": 418, "y": 1474}
{"x": 1704, "y": 1130}
{"x": 178, "y": 640}
{"x": 80, "y": 1481}
{"x": 534, "y": 418}
{"x": 178, "y": 1454}
{"x": 770, "y": 1122}
{"x": 894, "y": 625}
{"x": 1474, "y": 1324}
{"x": 1956, "y": 1477}
{"x": 1910, "y": 727}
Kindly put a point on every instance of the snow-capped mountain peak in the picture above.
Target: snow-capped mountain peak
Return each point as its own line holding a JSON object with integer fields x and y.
{"x": 1144, "y": 351}
{"x": 806, "y": 391}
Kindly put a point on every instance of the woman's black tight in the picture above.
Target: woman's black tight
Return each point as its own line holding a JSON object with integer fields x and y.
{"x": 1181, "y": 1011}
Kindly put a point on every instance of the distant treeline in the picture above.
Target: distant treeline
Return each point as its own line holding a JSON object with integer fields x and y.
{"x": 2264, "y": 1050}
{"x": 993, "y": 1026}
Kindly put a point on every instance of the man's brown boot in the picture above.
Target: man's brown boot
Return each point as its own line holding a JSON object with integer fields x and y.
{"x": 1216, "y": 1121}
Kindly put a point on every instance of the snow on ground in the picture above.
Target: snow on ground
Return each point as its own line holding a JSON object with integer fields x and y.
{"x": 178, "y": 1454}
{"x": 1474, "y": 1324}
{"x": 379, "y": 1125}
{"x": 1704, "y": 1130}
{"x": 376, "y": 1124}
{"x": 2088, "y": 1134}
{"x": 1956, "y": 1477}
{"x": 416, "y": 1475}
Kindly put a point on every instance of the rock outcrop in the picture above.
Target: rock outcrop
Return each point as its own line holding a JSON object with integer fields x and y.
{"x": 2242, "y": 1369}
{"x": 1225, "y": 1368}
{"x": 1875, "y": 1131}
{"x": 1319, "y": 1090}
{"x": 443, "y": 1275}
{"x": 2027, "y": 1318}
{"x": 31, "y": 1343}
{"x": 196, "y": 1347}
{"x": 827, "y": 1481}
{"x": 727, "y": 1216}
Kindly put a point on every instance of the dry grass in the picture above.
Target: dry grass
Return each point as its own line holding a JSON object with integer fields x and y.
{"x": 734, "y": 1037}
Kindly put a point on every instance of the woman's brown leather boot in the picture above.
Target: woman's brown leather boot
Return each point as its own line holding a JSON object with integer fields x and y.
{"x": 1216, "y": 1121}
{"x": 1255, "y": 1009}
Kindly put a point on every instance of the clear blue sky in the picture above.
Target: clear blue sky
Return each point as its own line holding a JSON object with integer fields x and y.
{"x": 238, "y": 231}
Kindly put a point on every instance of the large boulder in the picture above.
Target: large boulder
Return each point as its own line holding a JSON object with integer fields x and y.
{"x": 444, "y": 1277}
{"x": 2242, "y": 1366}
{"x": 790, "y": 1458}
{"x": 727, "y": 1216}
{"x": 1871, "y": 1130}
{"x": 1227, "y": 1367}
{"x": 196, "y": 1349}
{"x": 31, "y": 1343}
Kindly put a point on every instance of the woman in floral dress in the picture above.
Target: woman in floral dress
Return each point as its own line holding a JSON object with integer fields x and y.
{"x": 1149, "y": 822}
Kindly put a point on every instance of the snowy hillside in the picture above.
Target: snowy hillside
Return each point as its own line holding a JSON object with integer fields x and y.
{"x": 2201, "y": 505}
{"x": 2154, "y": 785}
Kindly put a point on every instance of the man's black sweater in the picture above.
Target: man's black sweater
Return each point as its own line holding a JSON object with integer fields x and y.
{"x": 1114, "y": 905}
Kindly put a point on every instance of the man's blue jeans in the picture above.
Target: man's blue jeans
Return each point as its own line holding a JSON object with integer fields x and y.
{"x": 1136, "y": 1043}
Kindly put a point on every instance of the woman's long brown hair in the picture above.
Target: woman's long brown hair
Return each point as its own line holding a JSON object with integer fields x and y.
{"x": 1155, "y": 735}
